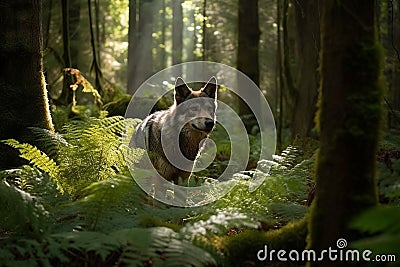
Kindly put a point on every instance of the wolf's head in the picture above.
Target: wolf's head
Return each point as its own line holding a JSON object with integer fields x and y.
{"x": 197, "y": 107}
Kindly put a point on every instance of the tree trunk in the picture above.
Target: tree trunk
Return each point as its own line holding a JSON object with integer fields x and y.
{"x": 23, "y": 94}
{"x": 177, "y": 31}
{"x": 394, "y": 62}
{"x": 74, "y": 32}
{"x": 95, "y": 68}
{"x": 66, "y": 94}
{"x": 247, "y": 55}
{"x": 348, "y": 120}
{"x": 306, "y": 49}
{"x": 279, "y": 77}
{"x": 132, "y": 43}
{"x": 204, "y": 33}
{"x": 140, "y": 62}
{"x": 163, "y": 56}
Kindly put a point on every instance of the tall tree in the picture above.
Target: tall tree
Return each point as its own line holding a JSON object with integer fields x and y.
{"x": 349, "y": 118}
{"x": 140, "y": 57}
{"x": 279, "y": 78}
{"x": 177, "y": 31}
{"x": 204, "y": 32}
{"x": 248, "y": 43}
{"x": 163, "y": 34}
{"x": 75, "y": 32}
{"x": 23, "y": 94}
{"x": 132, "y": 43}
{"x": 394, "y": 62}
{"x": 66, "y": 94}
{"x": 306, "y": 51}
{"x": 94, "y": 41}
{"x": 248, "y": 39}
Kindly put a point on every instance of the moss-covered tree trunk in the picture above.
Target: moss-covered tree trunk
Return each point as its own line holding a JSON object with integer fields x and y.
{"x": 394, "y": 63}
{"x": 349, "y": 118}
{"x": 23, "y": 94}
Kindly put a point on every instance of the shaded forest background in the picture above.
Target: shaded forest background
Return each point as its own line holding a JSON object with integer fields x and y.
{"x": 329, "y": 70}
{"x": 126, "y": 42}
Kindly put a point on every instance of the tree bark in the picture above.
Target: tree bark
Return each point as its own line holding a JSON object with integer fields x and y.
{"x": 132, "y": 43}
{"x": 306, "y": 50}
{"x": 163, "y": 35}
{"x": 177, "y": 32}
{"x": 247, "y": 55}
{"x": 348, "y": 120}
{"x": 249, "y": 38}
{"x": 394, "y": 62}
{"x": 23, "y": 94}
{"x": 140, "y": 61}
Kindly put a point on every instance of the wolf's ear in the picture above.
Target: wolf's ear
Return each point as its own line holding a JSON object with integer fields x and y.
{"x": 211, "y": 88}
{"x": 182, "y": 91}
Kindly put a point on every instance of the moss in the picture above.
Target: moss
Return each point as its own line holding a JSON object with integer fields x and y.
{"x": 150, "y": 221}
{"x": 348, "y": 120}
{"x": 242, "y": 248}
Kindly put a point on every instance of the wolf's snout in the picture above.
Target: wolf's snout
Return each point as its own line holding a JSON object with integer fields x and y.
{"x": 209, "y": 123}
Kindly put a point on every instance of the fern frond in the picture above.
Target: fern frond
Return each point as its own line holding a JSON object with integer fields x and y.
{"x": 288, "y": 157}
{"x": 96, "y": 152}
{"x": 35, "y": 157}
{"x": 51, "y": 140}
{"x": 36, "y": 183}
{"x": 104, "y": 197}
{"x": 20, "y": 212}
{"x": 218, "y": 223}
{"x": 159, "y": 246}
{"x": 382, "y": 224}
{"x": 288, "y": 211}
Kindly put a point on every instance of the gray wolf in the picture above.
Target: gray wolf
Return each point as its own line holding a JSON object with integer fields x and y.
{"x": 178, "y": 130}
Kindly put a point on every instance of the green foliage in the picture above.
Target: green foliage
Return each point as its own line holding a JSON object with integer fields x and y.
{"x": 282, "y": 195}
{"x": 81, "y": 205}
{"x": 219, "y": 223}
{"x": 388, "y": 167}
{"x": 242, "y": 248}
{"x": 20, "y": 212}
{"x": 389, "y": 182}
{"x": 87, "y": 152}
{"x": 35, "y": 157}
{"x": 157, "y": 246}
{"x": 382, "y": 226}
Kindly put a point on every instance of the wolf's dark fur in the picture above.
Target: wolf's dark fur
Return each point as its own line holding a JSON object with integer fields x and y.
{"x": 196, "y": 119}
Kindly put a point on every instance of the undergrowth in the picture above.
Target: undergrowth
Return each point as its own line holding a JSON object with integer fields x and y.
{"x": 79, "y": 205}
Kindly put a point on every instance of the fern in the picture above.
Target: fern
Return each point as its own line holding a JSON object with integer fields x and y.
{"x": 382, "y": 225}
{"x": 36, "y": 158}
{"x": 37, "y": 183}
{"x": 157, "y": 246}
{"x": 97, "y": 209}
{"x": 20, "y": 212}
{"x": 282, "y": 195}
{"x": 389, "y": 183}
{"x": 107, "y": 200}
{"x": 96, "y": 152}
{"x": 218, "y": 223}
{"x": 49, "y": 140}
{"x": 160, "y": 246}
